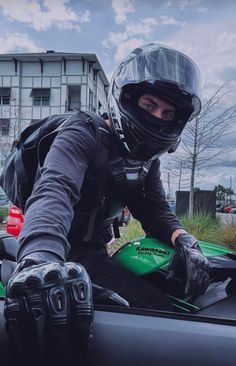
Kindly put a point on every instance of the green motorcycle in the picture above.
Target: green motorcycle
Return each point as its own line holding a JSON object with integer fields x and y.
{"x": 149, "y": 259}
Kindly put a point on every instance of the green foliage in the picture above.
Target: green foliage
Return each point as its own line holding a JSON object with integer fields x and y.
{"x": 203, "y": 227}
{"x": 3, "y": 213}
{"x": 131, "y": 231}
{"x": 223, "y": 193}
{"x": 227, "y": 235}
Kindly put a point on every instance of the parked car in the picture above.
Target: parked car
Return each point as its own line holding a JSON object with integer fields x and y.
{"x": 172, "y": 205}
{"x": 15, "y": 221}
{"x": 228, "y": 208}
{"x": 220, "y": 208}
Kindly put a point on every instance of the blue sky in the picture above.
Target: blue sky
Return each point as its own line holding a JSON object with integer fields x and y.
{"x": 203, "y": 29}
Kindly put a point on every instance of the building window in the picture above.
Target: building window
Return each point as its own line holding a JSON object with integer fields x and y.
{"x": 4, "y": 126}
{"x": 91, "y": 101}
{"x": 5, "y": 96}
{"x": 73, "y": 102}
{"x": 41, "y": 96}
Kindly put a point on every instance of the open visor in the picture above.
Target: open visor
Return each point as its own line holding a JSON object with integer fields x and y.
{"x": 159, "y": 63}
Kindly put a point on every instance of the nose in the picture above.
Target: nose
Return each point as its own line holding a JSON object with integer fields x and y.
{"x": 158, "y": 113}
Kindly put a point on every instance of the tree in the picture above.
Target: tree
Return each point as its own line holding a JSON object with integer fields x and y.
{"x": 223, "y": 193}
{"x": 12, "y": 131}
{"x": 202, "y": 136}
{"x": 220, "y": 193}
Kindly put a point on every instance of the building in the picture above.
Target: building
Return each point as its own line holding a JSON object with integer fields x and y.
{"x": 35, "y": 85}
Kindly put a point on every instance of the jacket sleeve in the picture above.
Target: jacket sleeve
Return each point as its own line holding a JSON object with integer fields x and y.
{"x": 152, "y": 209}
{"x": 49, "y": 210}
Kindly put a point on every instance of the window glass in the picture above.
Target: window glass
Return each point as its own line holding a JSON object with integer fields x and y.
{"x": 5, "y": 101}
{"x": 41, "y": 101}
{"x": 37, "y": 101}
{"x": 45, "y": 101}
{"x": 5, "y": 131}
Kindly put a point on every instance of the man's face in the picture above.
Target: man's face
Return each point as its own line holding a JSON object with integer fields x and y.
{"x": 157, "y": 107}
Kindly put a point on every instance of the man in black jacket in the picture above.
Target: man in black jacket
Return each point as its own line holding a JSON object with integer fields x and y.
{"x": 153, "y": 94}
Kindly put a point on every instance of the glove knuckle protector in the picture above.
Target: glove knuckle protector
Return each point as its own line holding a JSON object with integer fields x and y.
{"x": 49, "y": 307}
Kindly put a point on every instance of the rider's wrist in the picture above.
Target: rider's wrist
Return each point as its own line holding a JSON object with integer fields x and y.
{"x": 176, "y": 233}
{"x": 186, "y": 240}
{"x": 41, "y": 257}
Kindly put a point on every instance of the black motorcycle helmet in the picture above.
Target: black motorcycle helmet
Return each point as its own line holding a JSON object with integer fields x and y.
{"x": 166, "y": 73}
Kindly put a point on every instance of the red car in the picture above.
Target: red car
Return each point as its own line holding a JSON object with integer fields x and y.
{"x": 15, "y": 221}
{"x": 227, "y": 209}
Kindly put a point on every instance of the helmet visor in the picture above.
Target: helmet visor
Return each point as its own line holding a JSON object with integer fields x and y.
{"x": 153, "y": 63}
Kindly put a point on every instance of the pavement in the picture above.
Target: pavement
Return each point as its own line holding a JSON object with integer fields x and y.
{"x": 226, "y": 218}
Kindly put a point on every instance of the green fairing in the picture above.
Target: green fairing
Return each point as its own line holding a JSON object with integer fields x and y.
{"x": 2, "y": 290}
{"x": 145, "y": 255}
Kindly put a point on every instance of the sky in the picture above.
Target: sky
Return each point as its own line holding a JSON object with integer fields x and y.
{"x": 205, "y": 30}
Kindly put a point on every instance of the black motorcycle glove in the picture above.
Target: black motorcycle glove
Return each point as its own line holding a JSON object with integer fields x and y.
{"x": 49, "y": 312}
{"x": 188, "y": 258}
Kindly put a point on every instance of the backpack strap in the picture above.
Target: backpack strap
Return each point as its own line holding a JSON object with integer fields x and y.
{"x": 129, "y": 172}
{"x": 97, "y": 168}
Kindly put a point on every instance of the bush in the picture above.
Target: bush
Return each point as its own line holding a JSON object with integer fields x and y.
{"x": 203, "y": 227}
{"x": 132, "y": 231}
{"x": 3, "y": 214}
{"x": 227, "y": 235}
{"x": 128, "y": 233}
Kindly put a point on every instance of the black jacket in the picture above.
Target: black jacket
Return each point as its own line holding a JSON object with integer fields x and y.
{"x": 57, "y": 212}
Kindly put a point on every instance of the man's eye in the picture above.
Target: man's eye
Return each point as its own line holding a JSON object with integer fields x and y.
{"x": 149, "y": 107}
{"x": 169, "y": 115}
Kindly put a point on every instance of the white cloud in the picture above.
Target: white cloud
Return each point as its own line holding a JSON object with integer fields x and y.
{"x": 136, "y": 34}
{"x": 164, "y": 20}
{"x": 41, "y": 16}
{"x": 121, "y": 8}
{"x": 184, "y": 3}
{"x": 18, "y": 42}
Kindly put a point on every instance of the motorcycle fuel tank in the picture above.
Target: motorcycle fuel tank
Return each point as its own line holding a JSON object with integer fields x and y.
{"x": 147, "y": 254}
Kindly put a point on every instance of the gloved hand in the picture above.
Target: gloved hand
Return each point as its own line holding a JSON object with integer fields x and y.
{"x": 188, "y": 257}
{"x": 49, "y": 312}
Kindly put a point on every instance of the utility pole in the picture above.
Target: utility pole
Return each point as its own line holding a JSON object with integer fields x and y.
{"x": 180, "y": 175}
{"x": 230, "y": 189}
{"x": 168, "y": 181}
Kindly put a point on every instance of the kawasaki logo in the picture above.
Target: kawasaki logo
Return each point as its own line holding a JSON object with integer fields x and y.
{"x": 152, "y": 251}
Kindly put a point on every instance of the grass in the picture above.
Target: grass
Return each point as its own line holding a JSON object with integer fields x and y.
{"x": 203, "y": 227}
{"x": 227, "y": 235}
{"x": 129, "y": 232}
{"x": 210, "y": 229}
